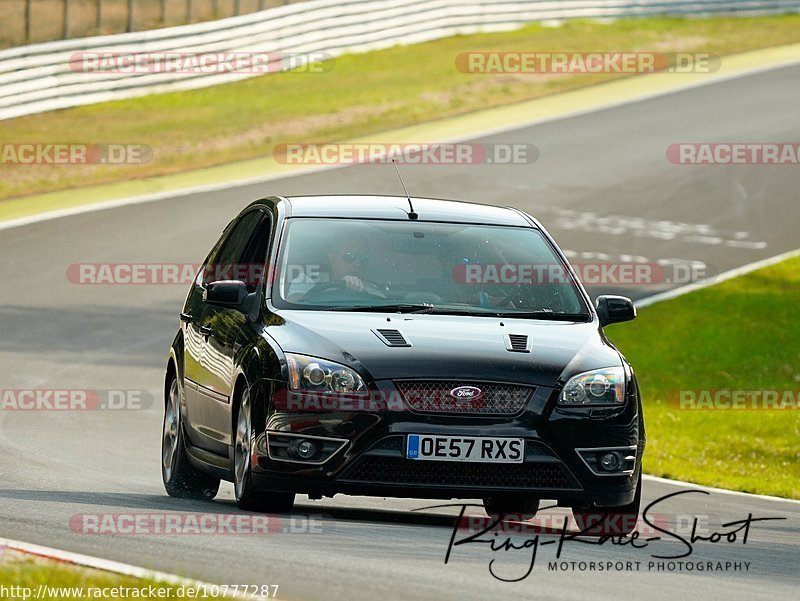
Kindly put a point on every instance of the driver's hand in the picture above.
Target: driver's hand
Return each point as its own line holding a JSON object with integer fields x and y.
{"x": 354, "y": 283}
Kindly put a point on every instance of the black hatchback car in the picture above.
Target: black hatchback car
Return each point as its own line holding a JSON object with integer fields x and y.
{"x": 386, "y": 346}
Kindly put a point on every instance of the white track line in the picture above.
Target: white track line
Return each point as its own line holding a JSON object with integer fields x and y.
{"x": 111, "y": 566}
{"x": 153, "y": 197}
{"x": 156, "y": 196}
{"x": 714, "y": 489}
{"x": 727, "y": 275}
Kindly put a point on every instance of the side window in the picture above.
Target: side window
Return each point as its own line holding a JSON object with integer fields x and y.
{"x": 225, "y": 263}
{"x": 254, "y": 258}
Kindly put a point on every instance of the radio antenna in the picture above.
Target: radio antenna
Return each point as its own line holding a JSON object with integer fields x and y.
{"x": 411, "y": 214}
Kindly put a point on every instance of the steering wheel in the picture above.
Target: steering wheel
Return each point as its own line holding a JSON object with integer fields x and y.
{"x": 338, "y": 285}
{"x": 507, "y": 300}
{"x": 422, "y": 297}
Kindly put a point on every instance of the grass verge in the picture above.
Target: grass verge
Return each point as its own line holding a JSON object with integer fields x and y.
{"x": 24, "y": 579}
{"x": 362, "y": 94}
{"x": 738, "y": 335}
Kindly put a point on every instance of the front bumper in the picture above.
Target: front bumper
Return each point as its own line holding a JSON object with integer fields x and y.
{"x": 368, "y": 453}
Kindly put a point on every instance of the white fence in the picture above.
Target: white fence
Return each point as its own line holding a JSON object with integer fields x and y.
{"x": 41, "y": 77}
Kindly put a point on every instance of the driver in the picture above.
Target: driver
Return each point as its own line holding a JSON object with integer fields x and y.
{"x": 346, "y": 261}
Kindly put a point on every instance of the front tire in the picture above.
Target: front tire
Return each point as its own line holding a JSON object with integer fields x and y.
{"x": 180, "y": 478}
{"x": 609, "y": 521}
{"x": 247, "y": 497}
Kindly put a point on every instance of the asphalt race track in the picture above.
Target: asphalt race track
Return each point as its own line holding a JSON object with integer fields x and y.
{"x": 602, "y": 186}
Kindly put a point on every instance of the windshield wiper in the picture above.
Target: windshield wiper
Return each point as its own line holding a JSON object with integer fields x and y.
{"x": 389, "y": 308}
{"x": 545, "y": 314}
{"x": 443, "y": 310}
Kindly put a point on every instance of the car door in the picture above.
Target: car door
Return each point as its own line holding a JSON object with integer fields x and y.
{"x": 194, "y": 342}
{"x": 242, "y": 257}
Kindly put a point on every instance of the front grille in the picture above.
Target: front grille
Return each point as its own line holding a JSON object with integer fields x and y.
{"x": 390, "y": 443}
{"x": 433, "y": 396}
{"x": 396, "y": 470}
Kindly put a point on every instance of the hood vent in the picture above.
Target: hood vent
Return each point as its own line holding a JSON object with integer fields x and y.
{"x": 518, "y": 343}
{"x": 391, "y": 337}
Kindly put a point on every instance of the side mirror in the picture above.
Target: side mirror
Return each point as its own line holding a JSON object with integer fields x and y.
{"x": 614, "y": 309}
{"x": 225, "y": 293}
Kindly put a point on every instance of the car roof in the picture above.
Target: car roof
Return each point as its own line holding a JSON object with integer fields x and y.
{"x": 396, "y": 207}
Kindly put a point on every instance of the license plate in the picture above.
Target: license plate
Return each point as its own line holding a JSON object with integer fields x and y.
{"x": 479, "y": 449}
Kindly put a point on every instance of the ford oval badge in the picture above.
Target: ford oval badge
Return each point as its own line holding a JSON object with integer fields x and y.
{"x": 466, "y": 393}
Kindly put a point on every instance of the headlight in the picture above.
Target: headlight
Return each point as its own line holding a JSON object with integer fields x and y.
{"x": 310, "y": 373}
{"x": 598, "y": 387}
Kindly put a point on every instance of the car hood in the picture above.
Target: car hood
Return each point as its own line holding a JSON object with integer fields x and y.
{"x": 446, "y": 346}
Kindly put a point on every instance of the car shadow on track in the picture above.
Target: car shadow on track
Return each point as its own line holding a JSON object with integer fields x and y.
{"x": 116, "y": 501}
{"x": 149, "y": 503}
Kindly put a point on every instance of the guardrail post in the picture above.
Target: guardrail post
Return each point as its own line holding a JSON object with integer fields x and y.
{"x": 27, "y": 20}
{"x": 215, "y": 8}
{"x": 261, "y": 4}
{"x": 65, "y": 21}
{"x": 189, "y": 11}
{"x": 236, "y": 7}
{"x": 99, "y": 22}
{"x": 129, "y": 24}
{"x": 163, "y": 12}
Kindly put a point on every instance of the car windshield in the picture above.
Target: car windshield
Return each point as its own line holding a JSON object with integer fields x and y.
{"x": 413, "y": 266}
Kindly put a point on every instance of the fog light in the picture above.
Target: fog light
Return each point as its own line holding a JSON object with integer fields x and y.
{"x": 609, "y": 462}
{"x": 303, "y": 449}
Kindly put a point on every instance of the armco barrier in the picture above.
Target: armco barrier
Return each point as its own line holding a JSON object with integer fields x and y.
{"x": 38, "y": 77}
